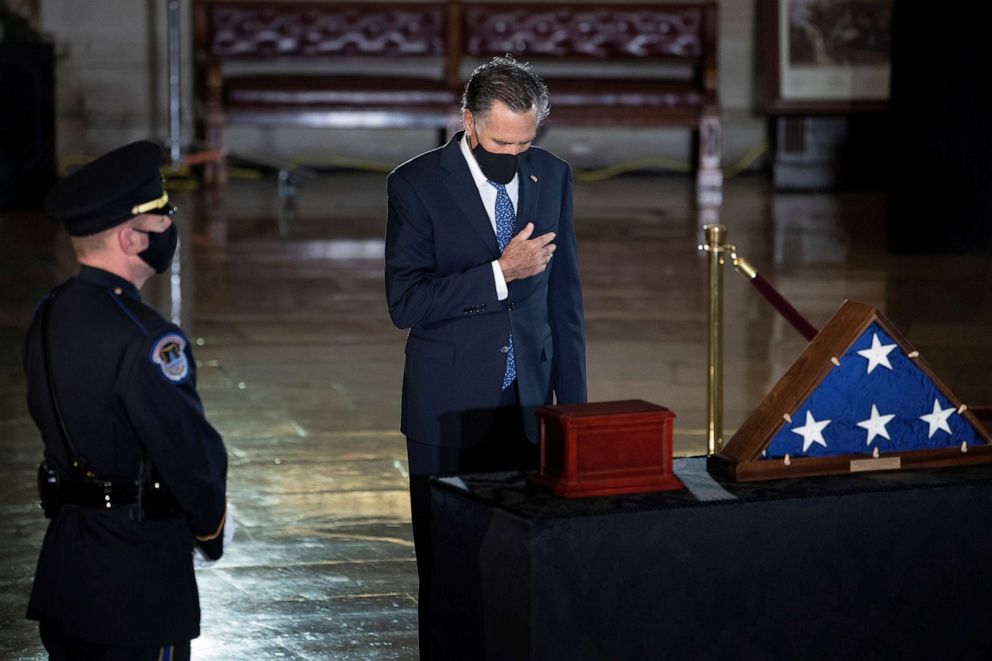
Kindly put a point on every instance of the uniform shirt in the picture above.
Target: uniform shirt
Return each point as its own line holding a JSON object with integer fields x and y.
{"x": 488, "y": 193}
{"x": 126, "y": 383}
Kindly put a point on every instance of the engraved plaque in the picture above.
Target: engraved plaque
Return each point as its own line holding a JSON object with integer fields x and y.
{"x": 880, "y": 464}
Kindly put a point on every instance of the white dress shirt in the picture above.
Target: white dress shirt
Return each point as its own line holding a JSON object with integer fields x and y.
{"x": 488, "y": 194}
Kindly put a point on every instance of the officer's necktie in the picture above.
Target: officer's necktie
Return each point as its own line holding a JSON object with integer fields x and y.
{"x": 504, "y": 232}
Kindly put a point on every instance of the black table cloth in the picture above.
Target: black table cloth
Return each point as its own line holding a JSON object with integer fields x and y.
{"x": 888, "y": 565}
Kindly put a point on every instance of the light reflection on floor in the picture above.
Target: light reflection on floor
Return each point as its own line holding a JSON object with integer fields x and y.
{"x": 300, "y": 370}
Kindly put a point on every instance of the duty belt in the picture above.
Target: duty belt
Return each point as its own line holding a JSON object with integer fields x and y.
{"x": 97, "y": 493}
{"x": 141, "y": 499}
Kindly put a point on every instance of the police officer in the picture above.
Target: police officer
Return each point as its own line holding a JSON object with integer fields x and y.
{"x": 134, "y": 475}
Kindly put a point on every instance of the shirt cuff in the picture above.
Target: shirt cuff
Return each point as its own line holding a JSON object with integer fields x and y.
{"x": 501, "y": 291}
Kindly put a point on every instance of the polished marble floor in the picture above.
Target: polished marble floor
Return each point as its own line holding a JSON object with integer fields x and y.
{"x": 300, "y": 370}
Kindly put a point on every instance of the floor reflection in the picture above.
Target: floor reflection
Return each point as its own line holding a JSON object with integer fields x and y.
{"x": 300, "y": 369}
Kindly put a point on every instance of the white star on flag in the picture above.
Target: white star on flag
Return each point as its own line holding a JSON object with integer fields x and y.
{"x": 876, "y": 424}
{"x": 878, "y": 354}
{"x": 937, "y": 419}
{"x": 812, "y": 431}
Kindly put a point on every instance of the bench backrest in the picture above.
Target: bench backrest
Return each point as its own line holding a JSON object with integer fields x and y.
{"x": 656, "y": 31}
{"x": 267, "y": 30}
{"x": 454, "y": 31}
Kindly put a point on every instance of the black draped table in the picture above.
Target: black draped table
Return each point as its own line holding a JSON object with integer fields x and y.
{"x": 888, "y": 565}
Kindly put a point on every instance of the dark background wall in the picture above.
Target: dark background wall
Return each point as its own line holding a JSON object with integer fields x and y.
{"x": 941, "y": 109}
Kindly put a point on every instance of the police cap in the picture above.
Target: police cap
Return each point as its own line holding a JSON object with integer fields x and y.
{"x": 114, "y": 188}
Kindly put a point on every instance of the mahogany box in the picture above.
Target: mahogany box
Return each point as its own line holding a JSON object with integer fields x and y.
{"x": 606, "y": 448}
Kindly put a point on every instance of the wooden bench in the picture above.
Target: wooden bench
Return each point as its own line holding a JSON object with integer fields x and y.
{"x": 670, "y": 48}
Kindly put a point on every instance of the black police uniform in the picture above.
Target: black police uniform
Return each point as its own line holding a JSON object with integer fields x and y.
{"x": 125, "y": 381}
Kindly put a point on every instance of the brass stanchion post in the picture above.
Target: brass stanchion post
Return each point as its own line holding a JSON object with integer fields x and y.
{"x": 716, "y": 237}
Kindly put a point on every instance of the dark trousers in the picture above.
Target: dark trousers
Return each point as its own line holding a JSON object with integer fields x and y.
{"x": 64, "y": 648}
{"x": 503, "y": 447}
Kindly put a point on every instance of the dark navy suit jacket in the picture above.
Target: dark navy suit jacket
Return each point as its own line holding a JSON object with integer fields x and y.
{"x": 439, "y": 283}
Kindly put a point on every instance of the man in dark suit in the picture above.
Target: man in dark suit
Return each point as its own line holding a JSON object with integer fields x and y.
{"x": 134, "y": 475}
{"x": 496, "y": 324}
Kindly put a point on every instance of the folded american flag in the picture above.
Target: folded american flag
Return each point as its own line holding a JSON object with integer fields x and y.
{"x": 876, "y": 400}
{"x": 858, "y": 398}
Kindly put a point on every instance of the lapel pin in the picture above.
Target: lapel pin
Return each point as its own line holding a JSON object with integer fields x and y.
{"x": 533, "y": 178}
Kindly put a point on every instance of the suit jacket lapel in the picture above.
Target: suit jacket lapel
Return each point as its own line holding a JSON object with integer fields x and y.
{"x": 463, "y": 191}
{"x": 529, "y": 192}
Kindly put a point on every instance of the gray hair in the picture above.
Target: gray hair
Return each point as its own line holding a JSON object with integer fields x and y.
{"x": 504, "y": 79}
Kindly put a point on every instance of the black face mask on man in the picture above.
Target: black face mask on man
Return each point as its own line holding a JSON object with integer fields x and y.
{"x": 161, "y": 248}
{"x": 500, "y": 168}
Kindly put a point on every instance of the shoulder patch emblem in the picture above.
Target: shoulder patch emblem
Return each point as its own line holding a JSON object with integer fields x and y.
{"x": 169, "y": 353}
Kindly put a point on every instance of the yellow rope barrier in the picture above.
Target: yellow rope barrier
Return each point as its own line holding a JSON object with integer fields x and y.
{"x": 366, "y": 165}
{"x": 600, "y": 174}
{"x": 611, "y": 171}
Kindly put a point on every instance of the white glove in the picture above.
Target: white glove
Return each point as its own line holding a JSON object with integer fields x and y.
{"x": 201, "y": 561}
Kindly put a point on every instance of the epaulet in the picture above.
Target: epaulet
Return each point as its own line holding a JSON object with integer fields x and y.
{"x": 143, "y": 317}
{"x": 48, "y": 295}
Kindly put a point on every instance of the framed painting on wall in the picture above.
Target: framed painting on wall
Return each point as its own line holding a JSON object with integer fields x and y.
{"x": 827, "y": 55}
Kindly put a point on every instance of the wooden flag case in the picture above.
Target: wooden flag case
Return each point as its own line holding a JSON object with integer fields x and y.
{"x": 748, "y": 455}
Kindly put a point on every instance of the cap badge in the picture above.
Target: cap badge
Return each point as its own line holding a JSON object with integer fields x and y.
{"x": 157, "y": 203}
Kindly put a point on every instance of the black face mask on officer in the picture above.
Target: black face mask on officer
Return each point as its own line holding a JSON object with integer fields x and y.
{"x": 161, "y": 248}
{"x": 500, "y": 168}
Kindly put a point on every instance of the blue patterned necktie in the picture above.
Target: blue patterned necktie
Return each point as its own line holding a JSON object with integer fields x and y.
{"x": 504, "y": 232}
